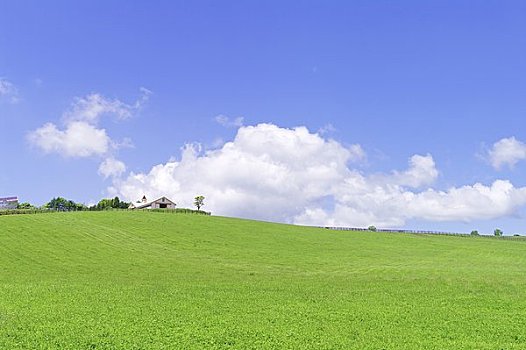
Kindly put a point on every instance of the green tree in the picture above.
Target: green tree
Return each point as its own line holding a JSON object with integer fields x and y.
{"x": 114, "y": 203}
{"x": 372, "y": 228}
{"x": 104, "y": 204}
{"x": 118, "y": 204}
{"x": 25, "y": 205}
{"x": 63, "y": 204}
{"x": 498, "y": 232}
{"x": 474, "y": 233}
{"x": 199, "y": 201}
{"x": 80, "y": 206}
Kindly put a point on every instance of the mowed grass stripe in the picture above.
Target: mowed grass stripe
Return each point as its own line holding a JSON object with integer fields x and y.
{"x": 141, "y": 280}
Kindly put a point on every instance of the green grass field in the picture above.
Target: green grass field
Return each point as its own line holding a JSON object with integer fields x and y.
{"x": 140, "y": 280}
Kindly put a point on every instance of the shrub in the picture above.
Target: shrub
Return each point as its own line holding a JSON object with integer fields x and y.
{"x": 372, "y": 228}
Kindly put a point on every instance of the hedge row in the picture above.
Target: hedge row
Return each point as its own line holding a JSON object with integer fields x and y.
{"x": 181, "y": 211}
{"x": 25, "y": 211}
{"x": 38, "y": 211}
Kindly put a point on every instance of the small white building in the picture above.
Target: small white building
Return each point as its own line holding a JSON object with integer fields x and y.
{"x": 161, "y": 203}
{"x": 8, "y": 203}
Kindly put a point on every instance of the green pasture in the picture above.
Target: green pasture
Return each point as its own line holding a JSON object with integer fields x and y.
{"x": 150, "y": 280}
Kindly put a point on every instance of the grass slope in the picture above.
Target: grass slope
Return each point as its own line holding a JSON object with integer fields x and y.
{"x": 139, "y": 280}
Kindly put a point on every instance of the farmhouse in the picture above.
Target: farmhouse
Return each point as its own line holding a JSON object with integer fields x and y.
{"x": 161, "y": 203}
{"x": 8, "y": 203}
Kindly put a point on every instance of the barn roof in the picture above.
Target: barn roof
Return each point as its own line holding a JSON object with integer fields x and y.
{"x": 142, "y": 205}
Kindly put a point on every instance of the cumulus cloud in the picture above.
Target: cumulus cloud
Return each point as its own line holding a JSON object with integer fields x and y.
{"x": 356, "y": 153}
{"x": 267, "y": 172}
{"x": 77, "y": 139}
{"x": 468, "y": 202}
{"x": 81, "y": 136}
{"x": 293, "y": 175}
{"x": 228, "y": 122}
{"x": 111, "y": 167}
{"x": 391, "y": 206}
{"x": 8, "y": 91}
{"x": 421, "y": 172}
{"x": 508, "y": 151}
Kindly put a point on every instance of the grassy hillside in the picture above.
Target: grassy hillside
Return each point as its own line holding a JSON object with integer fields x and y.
{"x": 139, "y": 280}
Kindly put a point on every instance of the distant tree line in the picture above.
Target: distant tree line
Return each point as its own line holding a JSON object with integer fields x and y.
{"x": 63, "y": 204}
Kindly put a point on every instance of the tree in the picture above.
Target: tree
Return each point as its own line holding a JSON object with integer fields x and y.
{"x": 25, "y": 205}
{"x": 80, "y": 207}
{"x": 474, "y": 233}
{"x": 104, "y": 204}
{"x": 199, "y": 202}
{"x": 498, "y": 232}
{"x": 63, "y": 204}
{"x": 114, "y": 203}
{"x": 372, "y": 228}
{"x": 121, "y": 204}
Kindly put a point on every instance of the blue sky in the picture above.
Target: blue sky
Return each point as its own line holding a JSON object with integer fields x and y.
{"x": 444, "y": 79}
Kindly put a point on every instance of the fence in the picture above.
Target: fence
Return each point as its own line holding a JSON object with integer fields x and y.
{"x": 426, "y": 232}
{"x": 339, "y": 228}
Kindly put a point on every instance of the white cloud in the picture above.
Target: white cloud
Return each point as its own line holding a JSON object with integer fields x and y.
{"x": 82, "y": 136}
{"x": 267, "y": 172}
{"x": 78, "y": 139}
{"x": 508, "y": 151}
{"x": 93, "y": 106}
{"x": 468, "y": 203}
{"x": 124, "y": 143}
{"x": 421, "y": 172}
{"x": 326, "y": 129}
{"x": 229, "y": 123}
{"x": 293, "y": 175}
{"x": 363, "y": 203}
{"x": 111, "y": 167}
{"x": 8, "y": 91}
{"x": 357, "y": 153}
